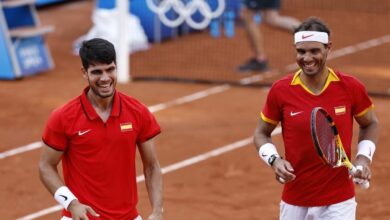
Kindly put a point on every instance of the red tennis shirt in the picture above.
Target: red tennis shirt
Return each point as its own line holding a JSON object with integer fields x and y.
{"x": 290, "y": 102}
{"x": 99, "y": 158}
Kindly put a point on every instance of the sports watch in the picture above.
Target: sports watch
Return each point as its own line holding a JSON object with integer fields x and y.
{"x": 272, "y": 159}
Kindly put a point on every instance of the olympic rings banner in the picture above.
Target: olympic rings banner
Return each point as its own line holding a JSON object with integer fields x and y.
{"x": 186, "y": 11}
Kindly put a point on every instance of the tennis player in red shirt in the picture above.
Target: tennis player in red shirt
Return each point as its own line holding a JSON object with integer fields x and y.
{"x": 95, "y": 135}
{"x": 313, "y": 190}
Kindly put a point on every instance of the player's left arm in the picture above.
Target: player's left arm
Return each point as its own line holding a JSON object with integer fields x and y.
{"x": 153, "y": 178}
{"x": 368, "y": 136}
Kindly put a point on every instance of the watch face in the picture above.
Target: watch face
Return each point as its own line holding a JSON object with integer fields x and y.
{"x": 271, "y": 159}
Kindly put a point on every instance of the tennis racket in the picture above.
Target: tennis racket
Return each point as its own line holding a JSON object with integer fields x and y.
{"x": 328, "y": 143}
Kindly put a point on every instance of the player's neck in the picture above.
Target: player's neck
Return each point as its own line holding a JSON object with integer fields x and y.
{"x": 315, "y": 83}
{"x": 101, "y": 105}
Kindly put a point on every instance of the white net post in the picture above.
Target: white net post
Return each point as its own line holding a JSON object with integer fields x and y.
{"x": 123, "y": 60}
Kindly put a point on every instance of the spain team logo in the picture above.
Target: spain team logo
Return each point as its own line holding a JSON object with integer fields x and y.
{"x": 340, "y": 110}
{"x": 128, "y": 126}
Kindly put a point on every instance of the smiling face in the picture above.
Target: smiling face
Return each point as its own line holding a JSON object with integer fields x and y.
{"x": 311, "y": 57}
{"x": 101, "y": 79}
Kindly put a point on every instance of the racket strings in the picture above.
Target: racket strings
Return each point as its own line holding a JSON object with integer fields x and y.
{"x": 326, "y": 139}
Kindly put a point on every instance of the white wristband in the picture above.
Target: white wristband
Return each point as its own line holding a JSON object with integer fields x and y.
{"x": 266, "y": 151}
{"x": 366, "y": 148}
{"x": 64, "y": 196}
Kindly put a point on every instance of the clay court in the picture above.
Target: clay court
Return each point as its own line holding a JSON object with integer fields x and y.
{"x": 229, "y": 183}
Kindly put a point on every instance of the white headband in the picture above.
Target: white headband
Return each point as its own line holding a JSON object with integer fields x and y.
{"x": 317, "y": 36}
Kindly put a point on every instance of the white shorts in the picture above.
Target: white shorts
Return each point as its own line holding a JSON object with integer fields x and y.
{"x": 340, "y": 211}
{"x": 67, "y": 218}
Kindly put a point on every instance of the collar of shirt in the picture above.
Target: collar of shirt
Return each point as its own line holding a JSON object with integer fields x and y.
{"x": 332, "y": 77}
{"x": 90, "y": 111}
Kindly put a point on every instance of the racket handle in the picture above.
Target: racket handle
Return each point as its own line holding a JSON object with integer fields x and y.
{"x": 364, "y": 184}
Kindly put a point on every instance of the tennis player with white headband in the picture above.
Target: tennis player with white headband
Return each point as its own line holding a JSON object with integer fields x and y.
{"x": 313, "y": 190}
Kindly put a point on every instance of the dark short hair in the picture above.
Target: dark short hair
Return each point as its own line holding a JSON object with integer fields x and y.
{"x": 96, "y": 51}
{"x": 313, "y": 24}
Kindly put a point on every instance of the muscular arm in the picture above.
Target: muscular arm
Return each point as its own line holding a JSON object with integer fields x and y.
{"x": 368, "y": 126}
{"x": 262, "y": 133}
{"x": 281, "y": 167}
{"x": 48, "y": 169}
{"x": 48, "y": 173}
{"x": 153, "y": 178}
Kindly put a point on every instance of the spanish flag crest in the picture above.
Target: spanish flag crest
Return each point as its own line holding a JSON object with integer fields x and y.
{"x": 127, "y": 126}
{"x": 340, "y": 110}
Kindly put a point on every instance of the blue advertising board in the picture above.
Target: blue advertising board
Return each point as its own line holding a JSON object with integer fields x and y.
{"x": 6, "y": 70}
{"x": 32, "y": 55}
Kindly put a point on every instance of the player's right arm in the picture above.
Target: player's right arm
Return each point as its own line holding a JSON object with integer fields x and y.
{"x": 262, "y": 133}
{"x": 48, "y": 169}
{"x": 50, "y": 177}
{"x": 265, "y": 147}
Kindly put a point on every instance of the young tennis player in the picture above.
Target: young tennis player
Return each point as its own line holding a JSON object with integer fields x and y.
{"x": 312, "y": 189}
{"x": 96, "y": 136}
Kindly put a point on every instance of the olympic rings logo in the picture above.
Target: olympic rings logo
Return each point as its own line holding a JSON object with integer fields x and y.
{"x": 185, "y": 12}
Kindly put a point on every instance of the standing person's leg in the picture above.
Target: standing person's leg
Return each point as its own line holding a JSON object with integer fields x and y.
{"x": 273, "y": 18}
{"x": 253, "y": 32}
{"x": 259, "y": 61}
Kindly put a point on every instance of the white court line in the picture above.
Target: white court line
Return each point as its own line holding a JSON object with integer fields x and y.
{"x": 218, "y": 89}
{"x": 41, "y": 213}
{"x": 359, "y": 47}
{"x": 184, "y": 163}
{"x": 21, "y": 149}
{"x": 190, "y": 98}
